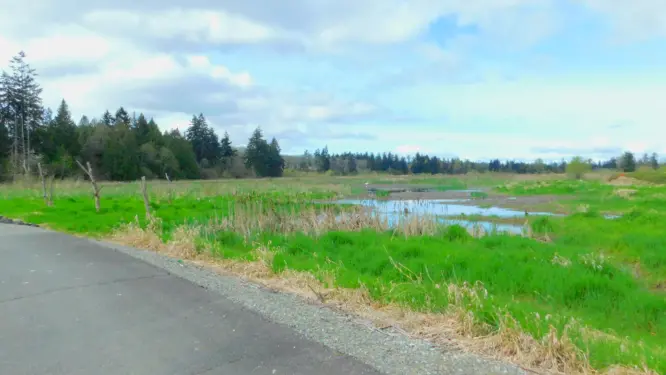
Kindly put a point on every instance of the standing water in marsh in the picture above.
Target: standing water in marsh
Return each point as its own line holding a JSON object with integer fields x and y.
{"x": 436, "y": 207}
{"x": 442, "y": 210}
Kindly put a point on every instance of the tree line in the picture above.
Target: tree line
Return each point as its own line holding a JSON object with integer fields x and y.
{"x": 119, "y": 146}
{"x": 124, "y": 147}
{"x": 351, "y": 163}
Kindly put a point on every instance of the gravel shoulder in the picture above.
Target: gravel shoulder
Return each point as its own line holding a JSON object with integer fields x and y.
{"x": 389, "y": 352}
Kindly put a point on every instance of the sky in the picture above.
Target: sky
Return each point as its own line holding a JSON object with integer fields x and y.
{"x": 477, "y": 79}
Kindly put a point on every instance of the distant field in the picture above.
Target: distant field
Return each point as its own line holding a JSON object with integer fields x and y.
{"x": 574, "y": 294}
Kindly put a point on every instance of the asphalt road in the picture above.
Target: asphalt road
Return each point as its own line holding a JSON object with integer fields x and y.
{"x": 69, "y": 306}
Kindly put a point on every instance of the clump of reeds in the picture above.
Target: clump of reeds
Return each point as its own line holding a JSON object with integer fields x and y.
{"x": 464, "y": 321}
{"x": 248, "y": 219}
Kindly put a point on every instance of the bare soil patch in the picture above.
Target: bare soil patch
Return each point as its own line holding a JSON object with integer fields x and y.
{"x": 397, "y": 188}
{"x": 627, "y": 181}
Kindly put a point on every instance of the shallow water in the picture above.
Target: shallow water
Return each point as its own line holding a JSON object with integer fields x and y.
{"x": 441, "y": 210}
{"x": 436, "y": 207}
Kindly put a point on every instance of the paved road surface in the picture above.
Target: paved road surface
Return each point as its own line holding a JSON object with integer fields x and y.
{"x": 69, "y": 306}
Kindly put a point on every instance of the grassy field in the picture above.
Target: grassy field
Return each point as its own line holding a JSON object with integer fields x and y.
{"x": 578, "y": 294}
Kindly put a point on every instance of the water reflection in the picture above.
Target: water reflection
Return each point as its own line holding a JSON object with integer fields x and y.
{"x": 436, "y": 207}
{"x": 395, "y": 211}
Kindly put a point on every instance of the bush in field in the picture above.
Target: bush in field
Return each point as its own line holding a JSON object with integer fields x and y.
{"x": 577, "y": 167}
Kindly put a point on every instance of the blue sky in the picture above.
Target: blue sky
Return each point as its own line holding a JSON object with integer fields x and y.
{"x": 519, "y": 79}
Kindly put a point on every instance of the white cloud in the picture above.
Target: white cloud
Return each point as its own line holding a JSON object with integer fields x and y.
{"x": 638, "y": 20}
{"x": 203, "y": 64}
{"x": 322, "y": 24}
{"x": 567, "y": 104}
{"x": 120, "y": 79}
{"x": 192, "y": 25}
{"x": 555, "y": 118}
{"x": 162, "y": 58}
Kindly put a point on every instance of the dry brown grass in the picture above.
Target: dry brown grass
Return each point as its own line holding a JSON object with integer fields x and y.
{"x": 246, "y": 219}
{"x": 627, "y": 181}
{"x": 456, "y": 328}
{"x": 625, "y": 193}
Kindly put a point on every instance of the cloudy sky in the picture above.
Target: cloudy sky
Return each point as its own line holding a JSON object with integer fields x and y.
{"x": 472, "y": 78}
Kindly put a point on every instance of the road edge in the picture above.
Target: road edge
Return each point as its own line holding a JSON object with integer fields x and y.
{"x": 387, "y": 351}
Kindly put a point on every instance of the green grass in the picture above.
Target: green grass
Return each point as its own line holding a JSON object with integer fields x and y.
{"x": 436, "y": 183}
{"x": 478, "y": 195}
{"x": 382, "y": 193}
{"x": 555, "y": 187}
{"x": 76, "y": 214}
{"x": 656, "y": 176}
{"x": 596, "y": 196}
{"x": 608, "y": 275}
{"x": 518, "y": 273}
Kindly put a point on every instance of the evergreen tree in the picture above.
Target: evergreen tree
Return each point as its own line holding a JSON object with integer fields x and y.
{"x": 60, "y": 141}
{"x": 418, "y": 164}
{"x": 122, "y": 117}
{"x": 204, "y": 141}
{"x": 274, "y": 160}
{"x": 654, "y": 161}
{"x": 212, "y": 148}
{"x": 433, "y": 165}
{"x": 352, "y": 165}
{"x": 403, "y": 166}
{"x": 5, "y": 146}
{"x": 322, "y": 160}
{"x": 22, "y": 110}
{"x": 371, "y": 162}
{"x": 84, "y": 121}
{"x": 142, "y": 130}
{"x": 154, "y": 134}
{"x": 256, "y": 153}
{"x": 227, "y": 152}
{"x": 627, "y": 162}
{"x": 108, "y": 119}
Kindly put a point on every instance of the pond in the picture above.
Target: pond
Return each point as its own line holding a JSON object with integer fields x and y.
{"x": 443, "y": 210}
{"x": 436, "y": 207}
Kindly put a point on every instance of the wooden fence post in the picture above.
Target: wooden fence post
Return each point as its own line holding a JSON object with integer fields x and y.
{"x": 170, "y": 187}
{"x": 43, "y": 178}
{"x": 146, "y": 200}
{"x": 96, "y": 189}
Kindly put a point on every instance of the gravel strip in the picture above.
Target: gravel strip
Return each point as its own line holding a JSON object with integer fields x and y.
{"x": 388, "y": 352}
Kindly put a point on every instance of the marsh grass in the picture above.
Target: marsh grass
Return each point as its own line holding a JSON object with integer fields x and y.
{"x": 440, "y": 286}
{"x": 478, "y": 195}
{"x": 588, "y": 298}
{"x": 598, "y": 196}
{"x": 382, "y": 193}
